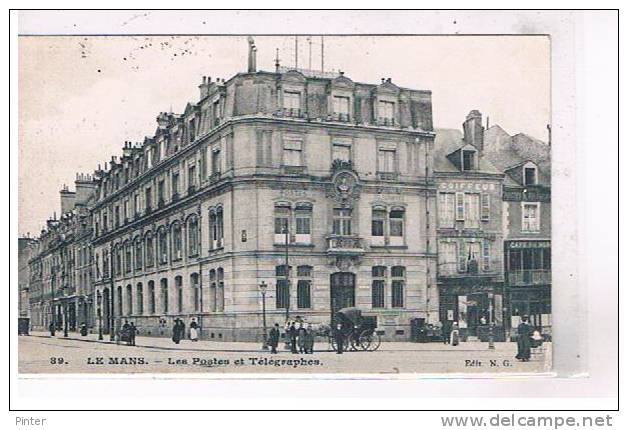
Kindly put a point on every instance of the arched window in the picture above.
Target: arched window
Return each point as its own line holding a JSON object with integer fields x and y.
{"x": 139, "y": 297}
{"x": 212, "y": 290}
{"x": 196, "y": 292}
{"x": 118, "y": 268}
{"x": 193, "y": 235}
{"x": 129, "y": 300}
{"x": 150, "y": 250}
{"x": 164, "y": 295}
{"x": 177, "y": 241}
{"x": 178, "y": 285}
{"x": 162, "y": 245}
{"x": 216, "y": 228}
{"x": 151, "y": 297}
{"x": 128, "y": 257}
{"x": 138, "y": 253}
{"x": 220, "y": 290}
{"x": 119, "y": 301}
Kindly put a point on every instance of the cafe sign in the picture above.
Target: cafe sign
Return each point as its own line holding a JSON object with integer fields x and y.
{"x": 519, "y": 244}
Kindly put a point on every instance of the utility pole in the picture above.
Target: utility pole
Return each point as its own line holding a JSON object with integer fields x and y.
{"x": 296, "y": 52}
{"x": 322, "y": 54}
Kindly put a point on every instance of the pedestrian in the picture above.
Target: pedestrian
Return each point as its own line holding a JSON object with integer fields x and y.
{"x": 126, "y": 332}
{"x": 51, "y": 326}
{"x": 176, "y": 331}
{"x": 292, "y": 333}
{"x": 132, "y": 333}
{"x": 446, "y": 331}
{"x": 273, "y": 339}
{"x": 523, "y": 339}
{"x": 309, "y": 339}
{"x": 301, "y": 334}
{"x": 193, "y": 331}
{"x": 339, "y": 339}
{"x": 454, "y": 337}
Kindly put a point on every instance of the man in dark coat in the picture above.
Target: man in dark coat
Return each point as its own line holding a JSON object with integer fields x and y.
{"x": 292, "y": 332}
{"x": 273, "y": 339}
{"x": 176, "y": 331}
{"x": 126, "y": 333}
{"x": 524, "y": 330}
{"x": 446, "y": 331}
{"x": 339, "y": 338}
{"x": 132, "y": 333}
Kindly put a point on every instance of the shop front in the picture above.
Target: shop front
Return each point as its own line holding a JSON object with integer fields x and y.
{"x": 475, "y": 306}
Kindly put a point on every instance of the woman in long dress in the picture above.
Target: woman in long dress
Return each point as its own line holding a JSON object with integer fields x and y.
{"x": 193, "y": 331}
{"x": 523, "y": 339}
{"x": 454, "y": 337}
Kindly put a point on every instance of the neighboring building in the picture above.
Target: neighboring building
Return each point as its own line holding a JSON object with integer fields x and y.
{"x": 191, "y": 221}
{"x": 470, "y": 236}
{"x": 527, "y": 224}
{"x": 26, "y": 245}
{"x": 61, "y": 288}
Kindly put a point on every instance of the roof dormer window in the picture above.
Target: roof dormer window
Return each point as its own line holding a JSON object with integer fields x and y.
{"x": 468, "y": 160}
{"x": 529, "y": 175}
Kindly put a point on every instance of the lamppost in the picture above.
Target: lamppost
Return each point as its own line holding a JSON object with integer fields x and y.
{"x": 65, "y": 315}
{"x": 262, "y": 289}
{"x": 53, "y": 324}
{"x": 99, "y": 311}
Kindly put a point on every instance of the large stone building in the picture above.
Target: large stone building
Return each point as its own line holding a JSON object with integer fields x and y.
{"x": 26, "y": 247}
{"x": 333, "y": 177}
{"x": 61, "y": 288}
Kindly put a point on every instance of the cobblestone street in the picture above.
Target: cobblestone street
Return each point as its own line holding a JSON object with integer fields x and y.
{"x": 40, "y": 353}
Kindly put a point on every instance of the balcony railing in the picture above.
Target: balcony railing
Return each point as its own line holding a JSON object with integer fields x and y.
{"x": 292, "y": 112}
{"x": 293, "y": 170}
{"x": 387, "y": 122}
{"x": 387, "y": 176}
{"x": 529, "y": 277}
{"x": 345, "y": 245}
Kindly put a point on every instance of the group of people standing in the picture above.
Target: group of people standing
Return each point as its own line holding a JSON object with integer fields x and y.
{"x": 301, "y": 337}
{"x": 451, "y": 333}
{"x": 178, "y": 331}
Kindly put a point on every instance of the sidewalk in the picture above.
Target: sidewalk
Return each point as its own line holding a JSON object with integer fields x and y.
{"x": 165, "y": 343}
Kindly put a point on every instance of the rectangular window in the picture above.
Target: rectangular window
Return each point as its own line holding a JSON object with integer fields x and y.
{"x": 472, "y": 210}
{"x": 136, "y": 204}
{"x": 175, "y": 184}
{"x": 292, "y": 153}
{"x": 377, "y": 224}
{"x": 396, "y": 223}
{"x": 191, "y": 177}
{"x": 161, "y": 192}
{"x": 342, "y": 222}
{"x": 460, "y": 206}
{"x": 341, "y": 152}
{"x": 486, "y": 207}
{"x": 530, "y": 217}
{"x": 377, "y": 293}
{"x": 386, "y": 112}
{"x": 292, "y": 101}
{"x": 397, "y": 293}
{"x": 303, "y": 219}
{"x": 203, "y": 163}
{"x": 303, "y": 294}
{"x": 216, "y": 162}
{"x": 468, "y": 160}
{"x": 386, "y": 160}
{"x": 447, "y": 258}
{"x": 282, "y": 294}
{"x": 486, "y": 256}
{"x": 149, "y": 198}
{"x": 282, "y": 224}
{"x": 529, "y": 176}
{"x": 341, "y": 108}
{"x": 462, "y": 257}
{"x": 446, "y": 209}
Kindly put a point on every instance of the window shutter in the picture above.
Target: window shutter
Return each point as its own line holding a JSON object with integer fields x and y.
{"x": 486, "y": 207}
{"x": 459, "y": 206}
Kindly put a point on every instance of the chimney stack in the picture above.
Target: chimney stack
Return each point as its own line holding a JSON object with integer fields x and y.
{"x": 473, "y": 130}
{"x": 68, "y": 199}
{"x": 252, "y": 55}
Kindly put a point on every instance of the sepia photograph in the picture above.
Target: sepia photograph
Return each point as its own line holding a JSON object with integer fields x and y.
{"x": 285, "y": 204}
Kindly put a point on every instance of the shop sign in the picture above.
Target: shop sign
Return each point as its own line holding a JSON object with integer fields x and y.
{"x": 467, "y": 186}
{"x": 518, "y": 244}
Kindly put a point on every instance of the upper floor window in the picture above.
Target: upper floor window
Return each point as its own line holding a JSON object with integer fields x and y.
{"x": 387, "y": 228}
{"x": 530, "y": 217}
{"x": 282, "y": 223}
{"x": 529, "y": 176}
{"x": 162, "y": 246}
{"x": 472, "y": 210}
{"x": 292, "y": 153}
{"x": 468, "y": 160}
{"x": 386, "y": 160}
{"x": 446, "y": 209}
{"x": 447, "y": 258}
{"x": 216, "y": 230}
{"x": 341, "y": 108}
{"x": 341, "y": 151}
{"x": 216, "y": 162}
{"x": 193, "y": 235}
{"x": 396, "y": 218}
{"x": 282, "y": 293}
{"x": 175, "y": 184}
{"x": 177, "y": 241}
{"x": 191, "y": 177}
{"x": 161, "y": 186}
{"x": 292, "y": 101}
{"x": 398, "y": 274}
{"x": 386, "y": 112}
{"x": 216, "y": 113}
{"x": 303, "y": 223}
{"x": 150, "y": 250}
{"x": 138, "y": 254}
{"x": 149, "y": 198}
{"x": 342, "y": 222}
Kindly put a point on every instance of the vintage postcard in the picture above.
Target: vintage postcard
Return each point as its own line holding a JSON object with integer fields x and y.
{"x": 281, "y": 205}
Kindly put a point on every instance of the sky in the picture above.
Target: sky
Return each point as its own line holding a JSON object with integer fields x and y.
{"x": 81, "y": 97}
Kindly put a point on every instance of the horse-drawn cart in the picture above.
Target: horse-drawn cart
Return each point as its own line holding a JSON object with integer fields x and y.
{"x": 358, "y": 332}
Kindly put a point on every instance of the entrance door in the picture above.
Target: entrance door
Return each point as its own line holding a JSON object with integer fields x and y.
{"x": 342, "y": 291}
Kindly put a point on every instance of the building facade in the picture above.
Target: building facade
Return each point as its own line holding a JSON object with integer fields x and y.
{"x": 470, "y": 235}
{"x": 317, "y": 186}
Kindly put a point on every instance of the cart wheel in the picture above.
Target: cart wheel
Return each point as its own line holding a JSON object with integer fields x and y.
{"x": 355, "y": 343}
{"x": 376, "y": 341}
{"x": 365, "y": 340}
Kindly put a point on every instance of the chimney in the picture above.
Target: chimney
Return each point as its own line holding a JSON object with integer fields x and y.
{"x": 128, "y": 149}
{"x": 68, "y": 198}
{"x": 204, "y": 87}
{"x": 85, "y": 188}
{"x": 252, "y": 54}
{"x": 162, "y": 119}
{"x": 473, "y": 130}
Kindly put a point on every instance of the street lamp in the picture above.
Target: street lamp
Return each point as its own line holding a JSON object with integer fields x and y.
{"x": 262, "y": 289}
